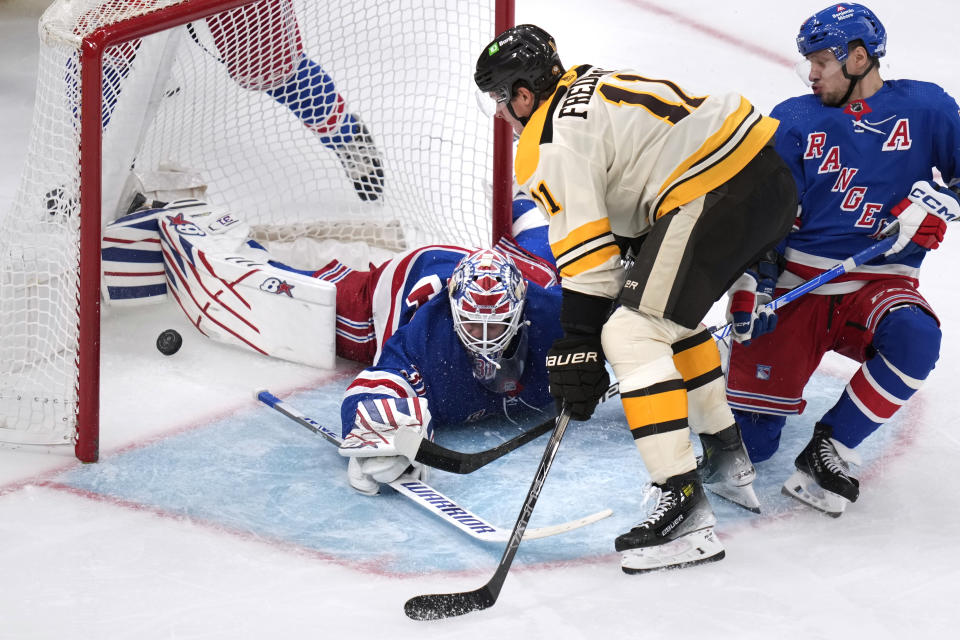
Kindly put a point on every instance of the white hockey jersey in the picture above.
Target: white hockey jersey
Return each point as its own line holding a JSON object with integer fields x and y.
{"x": 612, "y": 151}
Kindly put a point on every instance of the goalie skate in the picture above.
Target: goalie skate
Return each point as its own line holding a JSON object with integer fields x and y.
{"x": 822, "y": 477}
{"x": 677, "y": 533}
{"x": 361, "y": 160}
{"x": 727, "y": 470}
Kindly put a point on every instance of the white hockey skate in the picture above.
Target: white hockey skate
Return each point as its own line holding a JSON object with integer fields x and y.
{"x": 726, "y": 468}
{"x": 822, "y": 477}
{"x": 677, "y": 533}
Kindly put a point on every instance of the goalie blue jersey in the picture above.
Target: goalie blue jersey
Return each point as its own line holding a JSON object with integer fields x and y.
{"x": 424, "y": 357}
{"x": 853, "y": 164}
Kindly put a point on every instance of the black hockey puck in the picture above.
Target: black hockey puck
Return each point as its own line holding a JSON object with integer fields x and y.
{"x": 169, "y": 342}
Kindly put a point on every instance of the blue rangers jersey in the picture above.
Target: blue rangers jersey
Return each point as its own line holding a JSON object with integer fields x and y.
{"x": 852, "y": 165}
{"x": 419, "y": 352}
{"x": 425, "y": 358}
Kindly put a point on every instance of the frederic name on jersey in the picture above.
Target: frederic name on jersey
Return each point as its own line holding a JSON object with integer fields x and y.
{"x": 580, "y": 92}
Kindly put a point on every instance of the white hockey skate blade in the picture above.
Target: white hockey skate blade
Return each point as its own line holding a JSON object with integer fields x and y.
{"x": 805, "y": 489}
{"x": 743, "y": 496}
{"x": 694, "y": 548}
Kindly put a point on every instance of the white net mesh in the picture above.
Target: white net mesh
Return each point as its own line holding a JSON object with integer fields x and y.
{"x": 297, "y": 115}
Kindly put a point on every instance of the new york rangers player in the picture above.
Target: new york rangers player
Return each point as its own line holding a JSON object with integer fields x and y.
{"x": 455, "y": 335}
{"x": 862, "y": 151}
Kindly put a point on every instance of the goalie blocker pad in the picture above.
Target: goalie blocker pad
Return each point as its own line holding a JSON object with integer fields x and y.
{"x": 224, "y": 283}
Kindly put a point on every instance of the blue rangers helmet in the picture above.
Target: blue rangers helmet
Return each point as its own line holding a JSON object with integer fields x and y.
{"x": 837, "y": 26}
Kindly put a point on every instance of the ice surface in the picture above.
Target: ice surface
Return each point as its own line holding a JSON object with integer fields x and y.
{"x": 212, "y": 516}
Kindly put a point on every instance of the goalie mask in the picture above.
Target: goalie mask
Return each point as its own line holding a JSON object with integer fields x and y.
{"x": 487, "y": 294}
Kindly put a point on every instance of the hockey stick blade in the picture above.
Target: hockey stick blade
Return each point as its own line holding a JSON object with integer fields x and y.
{"x": 436, "y": 606}
{"x": 476, "y": 527}
{"x": 429, "y": 498}
{"x": 412, "y": 445}
{"x": 447, "y": 605}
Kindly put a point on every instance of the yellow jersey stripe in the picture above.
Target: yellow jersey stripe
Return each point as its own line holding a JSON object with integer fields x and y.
{"x": 589, "y": 261}
{"x": 696, "y": 186}
{"x": 712, "y": 143}
{"x": 581, "y": 235}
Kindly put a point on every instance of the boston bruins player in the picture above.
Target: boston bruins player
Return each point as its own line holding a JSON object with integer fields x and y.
{"x": 689, "y": 189}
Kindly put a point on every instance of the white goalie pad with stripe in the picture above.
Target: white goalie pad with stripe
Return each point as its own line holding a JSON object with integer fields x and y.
{"x": 131, "y": 260}
{"x": 231, "y": 292}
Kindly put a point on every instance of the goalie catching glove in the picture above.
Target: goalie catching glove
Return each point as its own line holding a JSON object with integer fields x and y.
{"x": 923, "y": 216}
{"x": 578, "y": 374}
{"x": 371, "y": 444}
{"x": 747, "y": 297}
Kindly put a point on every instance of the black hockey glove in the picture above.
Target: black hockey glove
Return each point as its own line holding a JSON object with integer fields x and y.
{"x": 577, "y": 373}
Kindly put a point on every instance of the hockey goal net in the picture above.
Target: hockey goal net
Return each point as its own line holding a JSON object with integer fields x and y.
{"x": 300, "y": 115}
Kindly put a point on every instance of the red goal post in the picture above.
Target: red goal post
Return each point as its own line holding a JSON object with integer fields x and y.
{"x": 446, "y": 178}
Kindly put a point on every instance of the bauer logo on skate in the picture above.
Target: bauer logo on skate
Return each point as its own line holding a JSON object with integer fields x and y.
{"x": 443, "y": 505}
{"x": 670, "y": 527}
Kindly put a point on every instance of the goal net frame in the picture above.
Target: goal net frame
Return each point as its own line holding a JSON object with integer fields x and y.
{"x": 91, "y": 52}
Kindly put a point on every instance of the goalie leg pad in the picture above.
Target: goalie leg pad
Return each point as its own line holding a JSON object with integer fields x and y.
{"x": 132, "y": 261}
{"x": 231, "y": 292}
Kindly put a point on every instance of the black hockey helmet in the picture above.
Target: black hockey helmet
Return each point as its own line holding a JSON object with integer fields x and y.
{"x": 525, "y": 55}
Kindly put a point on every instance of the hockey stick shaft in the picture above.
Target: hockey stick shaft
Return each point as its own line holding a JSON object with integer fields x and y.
{"x": 434, "y": 455}
{"x": 446, "y": 605}
{"x": 838, "y": 270}
{"x": 429, "y": 498}
{"x": 890, "y": 238}
{"x": 282, "y": 407}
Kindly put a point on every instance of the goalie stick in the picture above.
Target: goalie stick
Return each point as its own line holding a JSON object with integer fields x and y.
{"x": 412, "y": 445}
{"x": 446, "y": 605}
{"x": 429, "y": 498}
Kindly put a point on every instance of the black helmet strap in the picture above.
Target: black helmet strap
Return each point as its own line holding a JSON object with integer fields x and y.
{"x": 523, "y": 119}
{"x": 853, "y": 78}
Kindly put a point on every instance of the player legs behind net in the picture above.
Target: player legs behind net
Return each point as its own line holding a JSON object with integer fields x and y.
{"x": 261, "y": 47}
